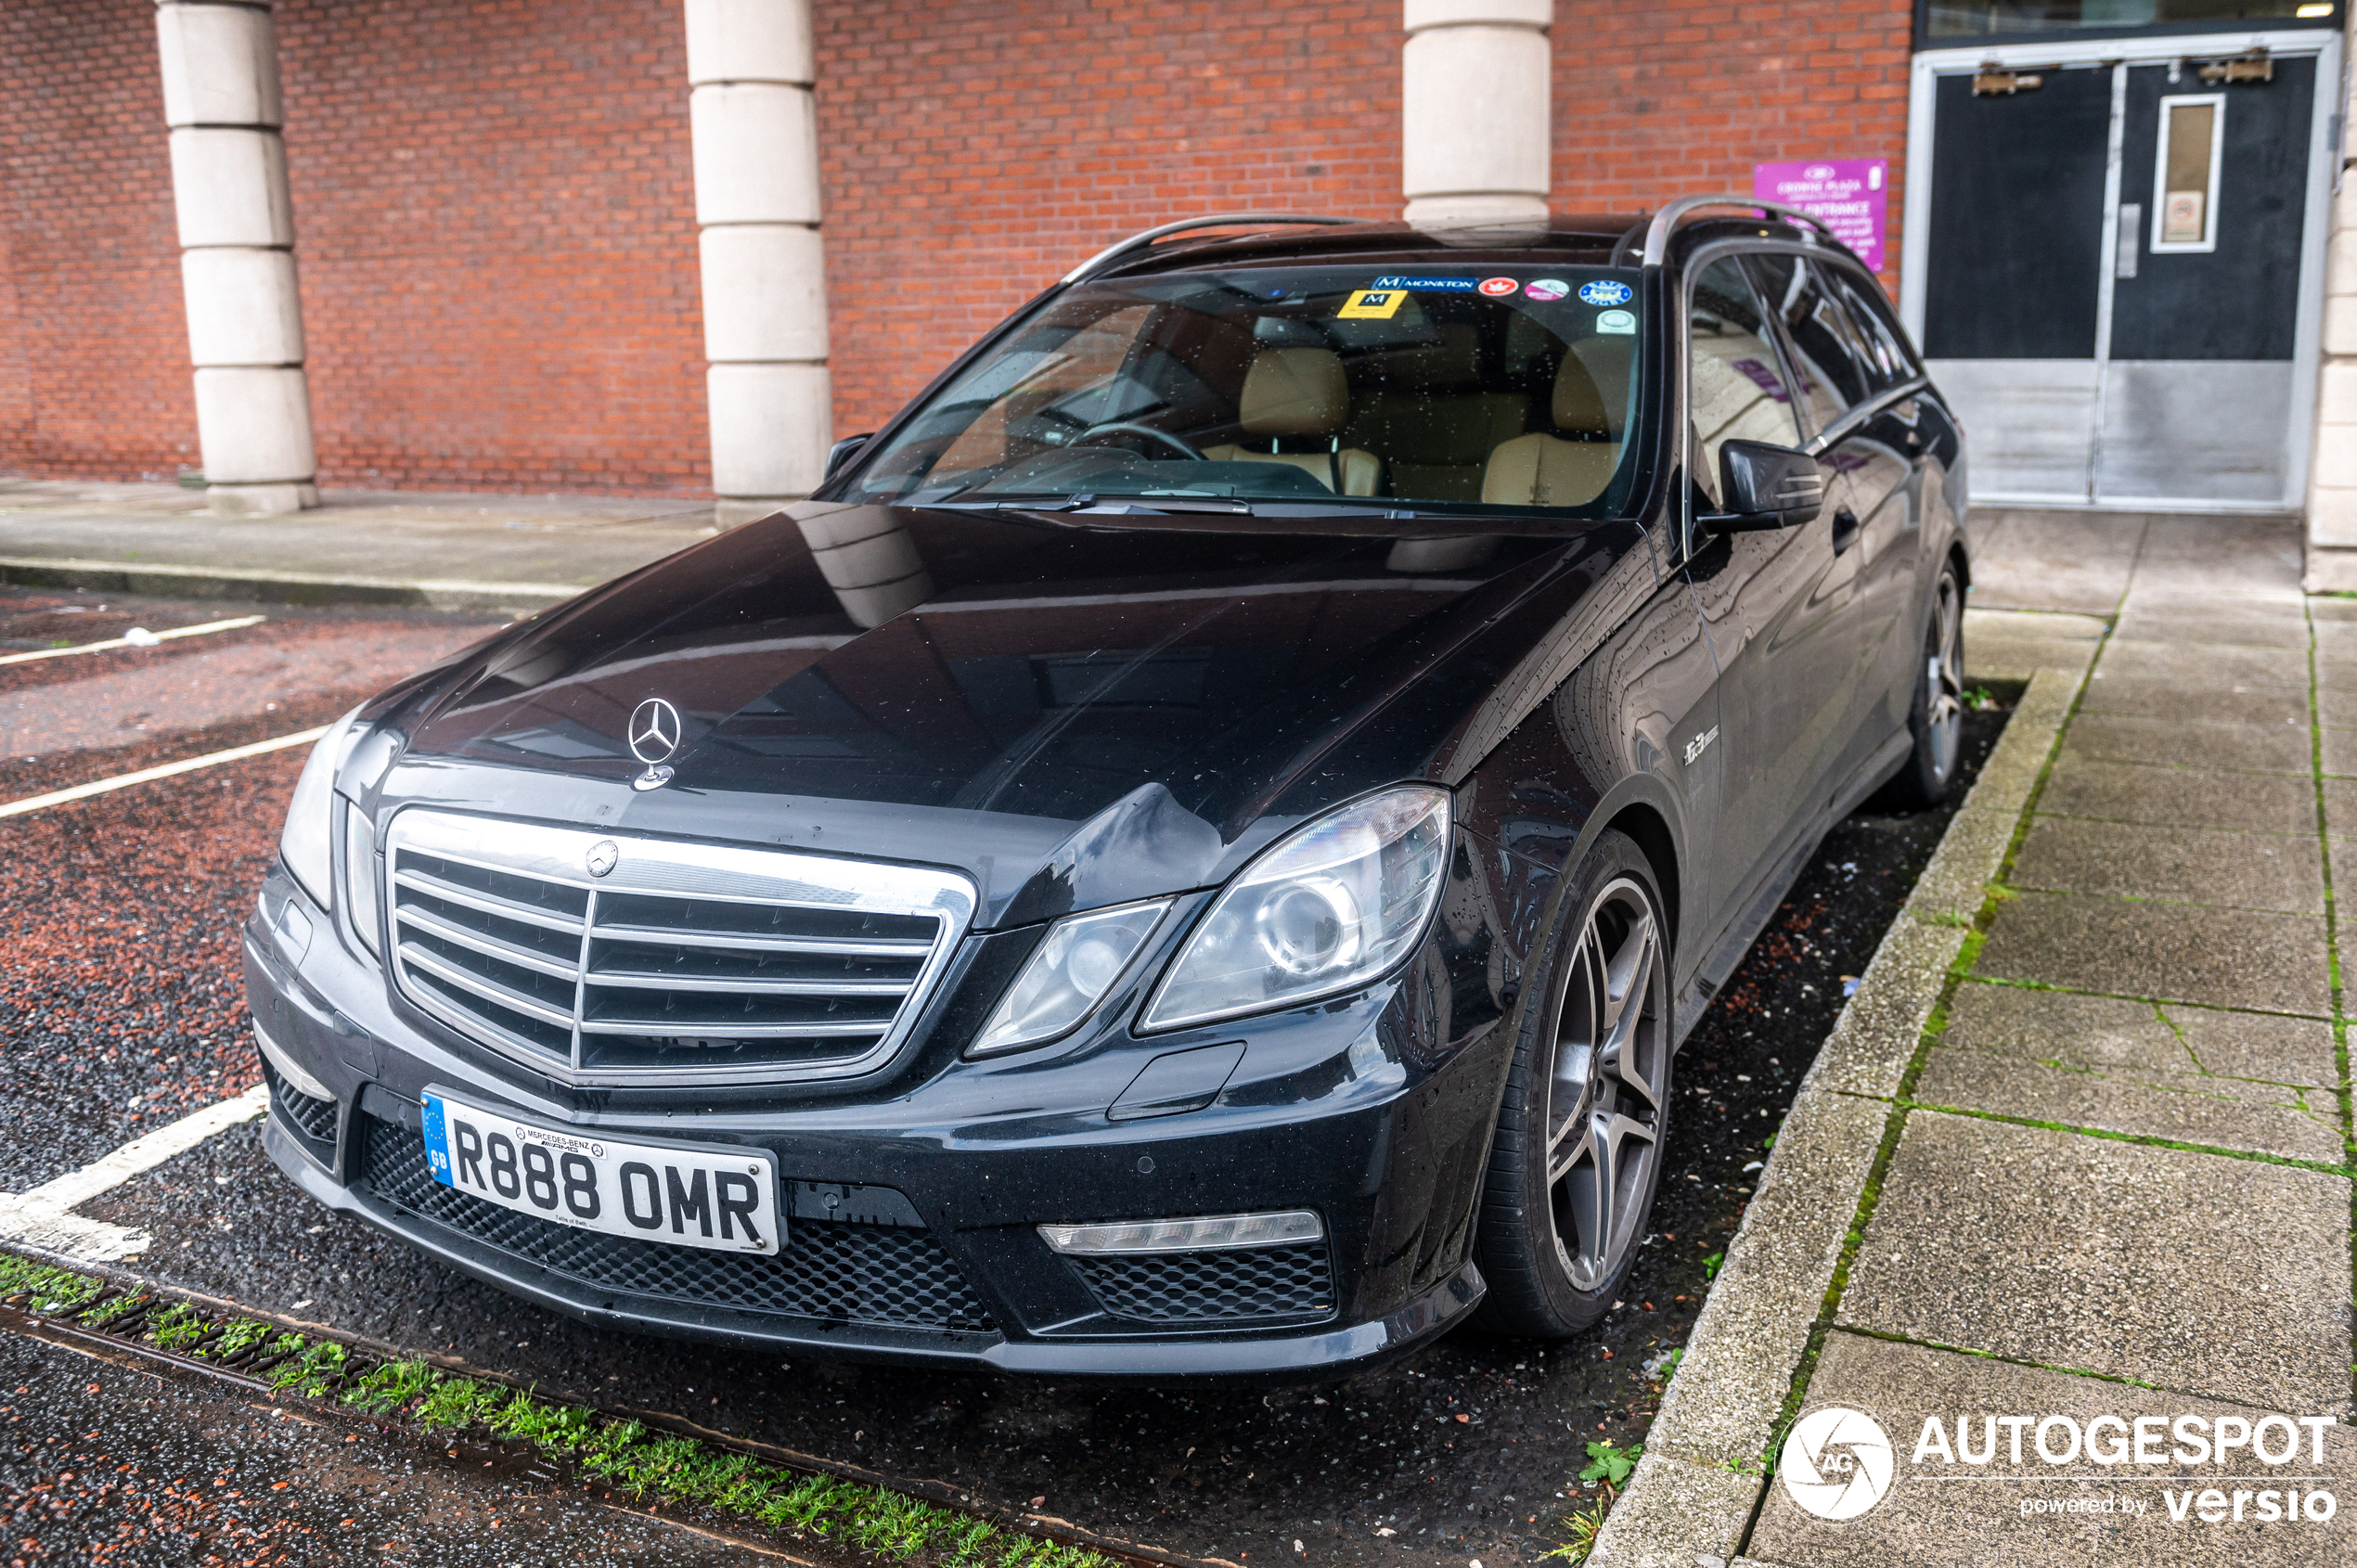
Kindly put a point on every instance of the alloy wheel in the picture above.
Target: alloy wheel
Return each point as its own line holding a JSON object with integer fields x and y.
{"x": 1604, "y": 1109}
{"x": 1944, "y": 678}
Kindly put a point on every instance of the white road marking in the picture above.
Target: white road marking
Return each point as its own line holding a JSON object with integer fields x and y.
{"x": 189, "y": 765}
{"x": 39, "y": 1218}
{"x": 125, "y": 642}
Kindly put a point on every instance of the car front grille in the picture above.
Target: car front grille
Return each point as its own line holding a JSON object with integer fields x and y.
{"x": 682, "y": 962}
{"x": 891, "y": 1276}
{"x": 1218, "y": 1287}
{"x": 308, "y": 1114}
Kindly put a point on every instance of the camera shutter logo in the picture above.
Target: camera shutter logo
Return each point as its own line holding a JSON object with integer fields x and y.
{"x": 654, "y": 730}
{"x": 1837, "y": 1462}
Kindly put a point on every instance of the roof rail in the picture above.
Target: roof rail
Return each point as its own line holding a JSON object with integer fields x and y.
{"x": 1657, "y": 232}
{"x": 1111, "y": 253}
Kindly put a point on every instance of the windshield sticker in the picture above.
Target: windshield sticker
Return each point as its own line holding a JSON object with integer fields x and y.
{"x": 1617, "y": 323}
{"x": 1547, "y": 289}
{"x": 1454, "y": 285}
{"x": 1603, "y": 292}
{"x": 1371, "y": 304}
{"x": 1498, "y": 287}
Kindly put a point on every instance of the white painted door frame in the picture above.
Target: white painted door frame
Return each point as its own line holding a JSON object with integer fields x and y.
{"x": 1916, "y": 232}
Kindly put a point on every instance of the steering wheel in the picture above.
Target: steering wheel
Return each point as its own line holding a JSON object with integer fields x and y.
{"x": 1124, "y": 426}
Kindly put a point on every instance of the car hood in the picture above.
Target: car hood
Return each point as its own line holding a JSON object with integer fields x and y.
{"x": 1076, "y": 708}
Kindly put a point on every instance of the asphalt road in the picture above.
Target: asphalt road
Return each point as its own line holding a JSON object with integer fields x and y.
{"x": 120, "y": 1010}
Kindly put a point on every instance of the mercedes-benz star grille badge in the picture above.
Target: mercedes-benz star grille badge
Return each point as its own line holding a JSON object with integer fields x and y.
{"x": 602, "y": 856}
{"x": 654, "y": 735}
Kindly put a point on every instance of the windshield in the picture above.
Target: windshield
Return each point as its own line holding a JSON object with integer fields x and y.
{"x": 1450, "y": 384}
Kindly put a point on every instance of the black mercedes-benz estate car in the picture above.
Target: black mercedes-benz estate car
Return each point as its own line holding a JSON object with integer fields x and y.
{"x": 1191, "y": 855}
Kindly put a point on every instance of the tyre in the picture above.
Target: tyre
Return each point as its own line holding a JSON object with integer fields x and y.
{"x": 1936, "y": 718}
{"x": 1577, "y": 1153}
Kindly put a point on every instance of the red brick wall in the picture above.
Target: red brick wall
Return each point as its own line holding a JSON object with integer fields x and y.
{"x": 94, "y": 348}
{"x": 1661, "y": 99}
{"x": 495, "y": 207}
{"x": 495, "y": 224}
{"x": 974, "y": 149}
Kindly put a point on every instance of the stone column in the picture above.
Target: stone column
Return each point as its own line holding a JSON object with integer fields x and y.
{"x": 2332, "y": 462}
{"x": 750, "y": 70}
{"x": 237, "y": 254}
{"x": 1474, "y": 122}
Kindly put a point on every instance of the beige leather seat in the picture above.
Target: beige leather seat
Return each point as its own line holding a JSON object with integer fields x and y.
{"x": 1571, "y": 469}
{"x": 1302, "y": 393}
{"x": 1428, "y": 418}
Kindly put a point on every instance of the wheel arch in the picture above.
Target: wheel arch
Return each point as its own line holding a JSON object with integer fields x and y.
{"x": 1643, "y": 823}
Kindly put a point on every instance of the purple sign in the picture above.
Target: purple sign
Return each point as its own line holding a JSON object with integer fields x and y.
{"x": 1850, "y": 194}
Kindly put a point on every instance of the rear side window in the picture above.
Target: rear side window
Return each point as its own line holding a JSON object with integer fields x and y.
{"x": 1735, "y": 385}
{"x": 1893, "y": 363}
{"x": 1836, "y": 368}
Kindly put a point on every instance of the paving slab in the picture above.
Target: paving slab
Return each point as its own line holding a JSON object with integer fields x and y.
{"x": 2183, "y": 1108}
{"x": 2149, "y": 697}
{"x": 2180, "y": 797}
{"x": 2338, "y": 748}
{"x": 2187, "y": 865}
{"x": 2185, "y": 663}
{"x": 2214, "y": 626}
{"x": 2247, "y": 748}
{"x": 2106, "y": 1033}
{"x": 2029, "y": 560}
{"x": 2014, "y": 645}
{"x": 2263, "y": 1046}
{"x": 2119, "y": 1258}
{"x": 2337, "y": 705}
{"x": 1972, "y": 1516}
{"x": 2226, "y": 957}
{"x": 2340, "y": 808}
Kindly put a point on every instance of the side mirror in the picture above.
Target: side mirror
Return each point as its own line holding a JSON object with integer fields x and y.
{"x": 843, "y": 451}
{"x": 1766, "y": 486}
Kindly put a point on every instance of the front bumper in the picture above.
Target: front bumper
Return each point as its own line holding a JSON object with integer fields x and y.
{"x": 1352, "y": 1109}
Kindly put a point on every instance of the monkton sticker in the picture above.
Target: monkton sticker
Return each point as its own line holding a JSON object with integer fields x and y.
{"x": 1450, "y": 285}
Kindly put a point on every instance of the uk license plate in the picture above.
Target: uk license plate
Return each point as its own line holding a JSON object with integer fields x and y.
{"x": 726, "y": 1199}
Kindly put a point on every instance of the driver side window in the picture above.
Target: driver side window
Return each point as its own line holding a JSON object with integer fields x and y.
{"x": 1735, "y": 387}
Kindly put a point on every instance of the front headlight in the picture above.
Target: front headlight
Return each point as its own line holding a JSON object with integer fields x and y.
{"x": 1328, "y": 909}
{"x": 308, "y": 841}
{"x": 1069, "y": 972}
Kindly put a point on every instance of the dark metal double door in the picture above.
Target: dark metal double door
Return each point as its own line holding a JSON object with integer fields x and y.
{"x": 2113, "y": 276}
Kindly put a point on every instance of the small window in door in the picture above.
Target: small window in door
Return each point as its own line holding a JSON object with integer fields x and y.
{"x": 2193, "y": 130}
{"x": 1735, "y": 383}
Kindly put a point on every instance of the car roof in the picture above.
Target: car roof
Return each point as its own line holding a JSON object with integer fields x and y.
{"x": 1586, "y": 239}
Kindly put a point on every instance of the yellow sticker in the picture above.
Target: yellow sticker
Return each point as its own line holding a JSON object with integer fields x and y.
{"x": 1371, "y": 304}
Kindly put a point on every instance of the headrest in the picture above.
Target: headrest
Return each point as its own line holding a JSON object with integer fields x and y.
{"x": 1610, "y": 362}
{"x": 1452, "y": 359}
{"x": 1580, "y": 403}
{"x": 1294, "y": 391}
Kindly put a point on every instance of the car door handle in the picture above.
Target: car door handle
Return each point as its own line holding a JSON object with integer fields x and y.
{"x": 1846, "y": 530}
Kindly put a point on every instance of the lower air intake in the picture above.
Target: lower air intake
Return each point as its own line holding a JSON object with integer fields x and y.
{"x": 1230, "y": 1286}
{"x": 308, "y": 1114}
{"x": 891, "y": 1276}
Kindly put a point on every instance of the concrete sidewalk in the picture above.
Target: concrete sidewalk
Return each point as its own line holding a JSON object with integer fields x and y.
{"x": 372, "y": 547}
{"x": 2115, "y": 1178}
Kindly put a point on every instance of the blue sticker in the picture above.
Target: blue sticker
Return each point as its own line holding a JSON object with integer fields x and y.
{"x": 1605, "y": 294}
{"x": 1464, "y": 285}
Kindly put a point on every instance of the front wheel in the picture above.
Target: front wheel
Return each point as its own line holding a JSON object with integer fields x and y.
{"x": 1578, "y": 1149}
{"x": 1936, "y": 718}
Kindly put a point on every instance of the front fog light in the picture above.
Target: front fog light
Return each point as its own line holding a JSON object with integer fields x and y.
{"x": 1210, "y": 1234}
{"x": 1068, "y": 974}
